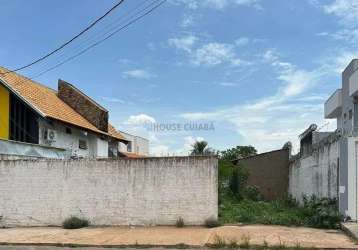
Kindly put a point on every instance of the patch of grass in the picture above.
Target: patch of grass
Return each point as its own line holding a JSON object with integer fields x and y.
{"x": 219, "y": 242}
{"x": 319, "y": 213}
{"x": 180, "y": 222}
{"x": 232, "y": 244}
{"x": 245, "y": 241}
{"x": 74, "y": 223}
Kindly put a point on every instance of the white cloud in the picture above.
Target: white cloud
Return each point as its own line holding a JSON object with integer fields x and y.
{"x": 188, "y": 20}
{"x": 242, "y": 41}
{"x": 217, "y": 4}
{"x": 228, "y": 84}
{"x": 140, "y": 119}
{"x": 345, "y": 10}
{"x": 271, "y": 121}
{"x": 207, "y": 54}
{"x": 183, "y": 43}
{"x": 295, "y": 81}
{"x": 267, "y": 127}
{"x": 138, "y": 74}
{"x": 114, "y": 100}
{"x": 213, "y": 54}
{"x": 159, "y": 150}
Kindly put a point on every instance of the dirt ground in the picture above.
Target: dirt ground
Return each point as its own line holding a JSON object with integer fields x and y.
{"x": 172, "y": 236}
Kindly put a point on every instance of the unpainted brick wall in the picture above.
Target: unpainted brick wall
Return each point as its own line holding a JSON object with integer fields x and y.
{"x": 151, "y": 191}
{"x": 269, "y": 173}
{"x": 84, "y": 105}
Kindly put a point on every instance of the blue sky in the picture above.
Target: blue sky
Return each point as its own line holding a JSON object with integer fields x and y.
{"x": 258, "y": 70}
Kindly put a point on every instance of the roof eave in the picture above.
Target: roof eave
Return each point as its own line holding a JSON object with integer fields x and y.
{"x": 21, "y": 97}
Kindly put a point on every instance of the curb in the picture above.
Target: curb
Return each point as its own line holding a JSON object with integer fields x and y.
{"x": 349, "y": 233}
{"x": 135, "y": 246}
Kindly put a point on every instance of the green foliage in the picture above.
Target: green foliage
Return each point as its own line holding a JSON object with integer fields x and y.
{"x": 252, "y": 193}
{"x": 238, "y": 180}
{"x": 74, "y": 222}
{"x": 180, "y": 222}
{"x": 201, "y": 148}
{"x": 319, "y": 213}
{"x": 237, "y": 152}
{"x": 219, "y": 242}
{"x": 322, "y": 213}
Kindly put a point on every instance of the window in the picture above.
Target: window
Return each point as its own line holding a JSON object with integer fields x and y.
{"x": 345, "y": 116}
{"x": 68, "y": 130}
{"x": 129, "y": 146}
{"x": 350, "y": 114}
{"x": 82, "y": 144}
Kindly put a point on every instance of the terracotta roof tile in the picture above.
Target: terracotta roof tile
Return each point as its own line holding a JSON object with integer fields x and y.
{"x": 132, "y": 155}
{"x": 45, "y": 100}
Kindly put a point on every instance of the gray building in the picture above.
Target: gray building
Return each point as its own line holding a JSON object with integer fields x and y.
{"x": 342, "y": 105}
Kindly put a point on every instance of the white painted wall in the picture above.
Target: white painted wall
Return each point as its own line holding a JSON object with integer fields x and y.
{"x": 150, "y": 191}
{"x": 101, "y": 148}
{"x": 315, "y": 174}
{"x": 140, "y": 145}
{"x": 96, "y": 146}
{"x": 352, "y": 178}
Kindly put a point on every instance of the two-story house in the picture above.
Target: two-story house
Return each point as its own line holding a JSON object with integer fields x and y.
{"x": 67, "y": 118}
{"x": 342, "y": 105}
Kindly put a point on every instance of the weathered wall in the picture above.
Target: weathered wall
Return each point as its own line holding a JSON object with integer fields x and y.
{"x": 138, "y": 144}
{"x": 84, "y": 105}
{"x": 316, "y": 173}
{"x": 154, "y": 191}
{"x": 268, "y": 172}
{"x": 23, "y": 150}
{"x": 96, "y": 147}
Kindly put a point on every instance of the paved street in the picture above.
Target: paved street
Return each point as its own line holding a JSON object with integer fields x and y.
{"x": 173, "y": 237}
{"x": 69, "y": 248}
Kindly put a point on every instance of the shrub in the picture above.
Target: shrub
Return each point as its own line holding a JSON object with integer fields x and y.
{"x": 321, "y": 213}
{"x": 252, "y": 193}
{"x": 180, "y": 222}
{"x": 219, "y": 242}
{"x": 245, "y": 241}
{"x": 238, "y": 180}
{"x": 74, "y": 222}
{"x": 211, "y": 222}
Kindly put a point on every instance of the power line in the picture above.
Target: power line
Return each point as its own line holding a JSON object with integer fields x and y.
{"x": 106, "y": 30}
{"x": 68, "y": 42}
{"x": 102, "y": 40}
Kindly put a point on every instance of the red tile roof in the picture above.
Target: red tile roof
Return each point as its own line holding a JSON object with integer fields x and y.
{"x": 46, "y": 101}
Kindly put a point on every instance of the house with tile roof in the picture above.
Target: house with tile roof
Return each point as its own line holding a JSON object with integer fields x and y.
{"x": 67, "y": 118}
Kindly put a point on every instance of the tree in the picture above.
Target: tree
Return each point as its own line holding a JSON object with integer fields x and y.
{"x": 237, "y": 153}
{"x": 201, "y": 148}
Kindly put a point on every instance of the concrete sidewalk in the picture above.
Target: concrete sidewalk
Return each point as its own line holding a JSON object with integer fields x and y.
{"x": 174, "y": 237}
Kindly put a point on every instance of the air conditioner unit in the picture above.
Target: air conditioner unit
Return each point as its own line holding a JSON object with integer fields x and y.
{"x": 50, "y": 135}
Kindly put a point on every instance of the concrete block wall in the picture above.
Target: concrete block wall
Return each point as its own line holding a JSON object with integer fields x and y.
{"x": 315, "y": 173}
{"x": 150, "y": 191}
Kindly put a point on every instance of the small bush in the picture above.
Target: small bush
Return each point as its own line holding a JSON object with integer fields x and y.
{"x": 321, "y": 213}
{"x": 233, "y": 244}
{"x": 245, "y": 241}
{"x": 74, "y": 222}
{"x": 180, "y": 222}
{"x": 252, "y": 193}
{"x": 238, "y": 180}
{"x": 211, "y": 222}
{"x": 219, "y": 242}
